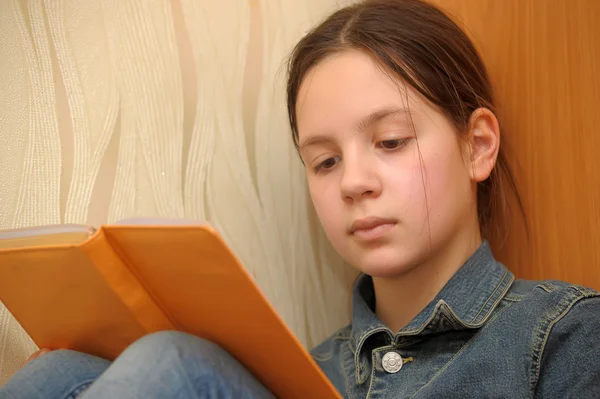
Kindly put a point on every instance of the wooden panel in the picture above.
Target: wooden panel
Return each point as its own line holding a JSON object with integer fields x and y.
{"x": 544, "y": 60}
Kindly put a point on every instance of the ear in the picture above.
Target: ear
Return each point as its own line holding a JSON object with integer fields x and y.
{"x": 484, "y": 140}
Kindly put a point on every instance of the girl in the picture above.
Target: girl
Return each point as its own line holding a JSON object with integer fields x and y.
{"x": 393, "y": 116}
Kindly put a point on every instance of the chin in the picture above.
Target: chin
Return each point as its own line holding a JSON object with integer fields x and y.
{"x": 384, "y": 262}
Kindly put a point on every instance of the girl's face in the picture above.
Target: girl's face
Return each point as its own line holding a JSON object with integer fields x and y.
{"x": 387, "y": 201}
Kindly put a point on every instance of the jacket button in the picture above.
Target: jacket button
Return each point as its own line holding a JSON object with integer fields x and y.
{"x": 391, "y": 362}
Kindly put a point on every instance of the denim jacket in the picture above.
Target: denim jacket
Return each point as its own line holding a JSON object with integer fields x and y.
{"x": 484, "y": 335}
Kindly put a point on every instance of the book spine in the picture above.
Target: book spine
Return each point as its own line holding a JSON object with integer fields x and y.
{"x": 129, "y": 289}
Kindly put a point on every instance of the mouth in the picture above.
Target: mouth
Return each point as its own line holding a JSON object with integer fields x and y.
{"x": 371, "y": 228}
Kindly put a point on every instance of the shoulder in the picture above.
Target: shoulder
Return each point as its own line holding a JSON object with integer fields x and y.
{"x": 559, "y": 306}
{"x": 565, "y": 356}
{"x": 549, "y": 293}
{"x": 554, "y": 306}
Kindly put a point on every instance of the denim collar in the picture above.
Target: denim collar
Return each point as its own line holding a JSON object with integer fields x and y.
{"x": 465, "y": 302}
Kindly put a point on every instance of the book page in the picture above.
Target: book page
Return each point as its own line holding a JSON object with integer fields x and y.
{"x": 70, "y": 234}
{"x": 73, "y": 234}
{"x": 147, "y": 221}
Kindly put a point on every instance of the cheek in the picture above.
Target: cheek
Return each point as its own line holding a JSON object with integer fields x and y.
{"x": 325, "y": 201}
{"x": 431, "y": 187}
{"x": 405, "y": 180}
{"x": 448, "y": 185}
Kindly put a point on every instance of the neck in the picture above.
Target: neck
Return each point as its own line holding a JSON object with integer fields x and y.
{"x": 399, "y": 299}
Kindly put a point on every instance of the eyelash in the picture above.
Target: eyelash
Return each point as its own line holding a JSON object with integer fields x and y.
{"x": 400, "y": 143}
{"x": 321, "y": 165}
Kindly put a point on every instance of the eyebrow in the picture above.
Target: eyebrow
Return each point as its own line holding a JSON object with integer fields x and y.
{"x": 377, "y": 116}
{"x": 362, "y": 125}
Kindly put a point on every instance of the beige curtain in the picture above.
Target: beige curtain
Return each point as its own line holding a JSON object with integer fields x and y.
{"x": 122, "y": 108}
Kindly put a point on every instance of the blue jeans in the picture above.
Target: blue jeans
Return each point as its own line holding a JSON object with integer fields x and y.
{"x": 160, "y": 365}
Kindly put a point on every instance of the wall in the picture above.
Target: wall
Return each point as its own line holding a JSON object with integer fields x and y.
{"x": 122, "y": 108}
{"x": 543, "y": 57}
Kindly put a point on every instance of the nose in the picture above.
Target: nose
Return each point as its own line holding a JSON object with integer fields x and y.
{"x": 360, "y": 179}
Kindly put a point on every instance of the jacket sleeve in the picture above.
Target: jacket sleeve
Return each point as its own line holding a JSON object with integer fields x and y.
{"x": 570, "y": 364}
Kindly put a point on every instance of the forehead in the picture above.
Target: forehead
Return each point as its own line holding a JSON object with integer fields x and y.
{"x": 343, "y": 88}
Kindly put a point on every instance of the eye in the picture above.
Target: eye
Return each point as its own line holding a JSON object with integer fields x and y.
{"x": 327, "y": 164}
{"x": 393, "y": 144}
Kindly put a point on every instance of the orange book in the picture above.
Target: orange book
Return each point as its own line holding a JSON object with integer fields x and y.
{"x": 98, "y": 291}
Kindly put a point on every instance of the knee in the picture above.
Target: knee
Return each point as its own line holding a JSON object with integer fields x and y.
{"x": 171, "y": 341}
{"x": 164, "y": 339}
{"x": 59, "y": 356}
{"x": 64, "y": 372}
{"x": 165, "y": 346}
{"x": 171, "y": 362}
{"x": 61, "y": 359}
{"x": 175, "y": 356}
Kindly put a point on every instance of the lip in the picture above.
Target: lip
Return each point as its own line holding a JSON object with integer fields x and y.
{"x": 371, "y": 227}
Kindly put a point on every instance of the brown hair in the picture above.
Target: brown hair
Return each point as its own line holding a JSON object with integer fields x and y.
{"x": 418, "y": 43}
